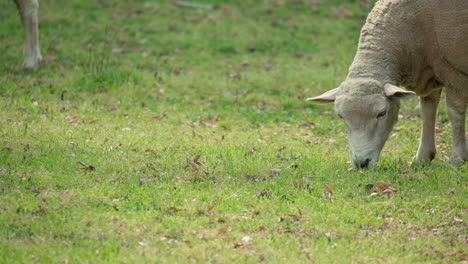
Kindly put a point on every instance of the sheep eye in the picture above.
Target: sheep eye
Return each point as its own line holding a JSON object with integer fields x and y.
{"x": 381, "y": 114}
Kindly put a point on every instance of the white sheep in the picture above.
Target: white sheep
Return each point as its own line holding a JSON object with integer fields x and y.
{"x": 421, "y": 45}
{"x": 28, "y": 12}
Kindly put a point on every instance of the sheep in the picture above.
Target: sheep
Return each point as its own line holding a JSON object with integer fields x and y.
{"x": 421, "y": 45}
{"x": 27, "y": 10}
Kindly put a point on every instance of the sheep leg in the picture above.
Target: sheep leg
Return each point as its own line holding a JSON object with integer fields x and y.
{"x": 428, "y": 107}
{"x": 457, "y": 110}
{"x": 28, "y": 13}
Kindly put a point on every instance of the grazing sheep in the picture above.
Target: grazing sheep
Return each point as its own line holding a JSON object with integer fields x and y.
{"x": 28, "y": 12}
{"x": 421, "y": 45}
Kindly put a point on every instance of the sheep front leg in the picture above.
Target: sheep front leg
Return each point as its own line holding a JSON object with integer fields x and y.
{"x": 457, "y": 110}
{"x": 28, "y": 13}
{"x": 428, "y": 108}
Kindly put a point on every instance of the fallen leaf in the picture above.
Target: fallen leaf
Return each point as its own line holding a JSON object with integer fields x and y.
{"x": 87, "y": 166}
{"x": 210, "y": 207}
{"x": 327, "y": 195}
{"x": 247, "y": 239}
{"x": 256, "y": 211}
{"x": 261, "y": 228}
{"x": 143, "y": 244}
{"x": 382, "y": 184}
{"x": 195, "y": 164}
{"x": 251, "y": 152}
{"x": 195, "y": 160}
{"x": 294, "y": 218}
{"x": 275, "y": 172}
{"x": 169, "y": 239}
{"x": 150, "y": 150}
{"x": 223, "y": 230}
{"x": 308, "y": 124}
{"x": 382, "y": 188}
{"x": 237, "y": 245}
{"x": 93, "y": 121}
{"x": 174, "y": 209}
{"x": 328, "y": 188}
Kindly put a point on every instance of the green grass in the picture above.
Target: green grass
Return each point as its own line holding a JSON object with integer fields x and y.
{"x": 138, "y": 89}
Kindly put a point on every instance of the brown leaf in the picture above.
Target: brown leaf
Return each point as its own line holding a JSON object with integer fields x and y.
{"x": 174, "y": 209}
{"x": 296, "y": 184}
{"x": 308, "y": 124}
{"x": 93, "y": 121}
{"x": 210, "y": 207}
{"x": 195, "y": 164}
{"x": 381, "y": 184}
{"x": 294, "y": 218}
{"x": 327, "y": 195}
{"x": 195, "y": 160}
{"x": 237, "y": 245}
{"x": 262, "y": 228}
{"x": 382, "y": 188}
{"x": 328, "y": 188}
{"x": 150, "y": 150}
{"x": 251, "y": 152}
{"x": 223, "y": 230}
{"x": 87, "y": 166}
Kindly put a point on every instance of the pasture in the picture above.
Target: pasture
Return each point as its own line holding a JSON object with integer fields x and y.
{"x": 160, "y": 132}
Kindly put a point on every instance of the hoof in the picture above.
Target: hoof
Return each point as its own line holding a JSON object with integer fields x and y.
{"x": 457, "y": 161}
{"x": 31, "y": 63}
{"x": 425, "y": 157}
{"x": 458, "y": 157}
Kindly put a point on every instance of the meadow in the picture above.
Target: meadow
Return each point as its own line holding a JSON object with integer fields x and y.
{"x": 164, "y": 132}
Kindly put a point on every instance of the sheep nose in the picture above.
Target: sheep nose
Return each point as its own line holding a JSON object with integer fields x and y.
{"x": 361, "y": 163}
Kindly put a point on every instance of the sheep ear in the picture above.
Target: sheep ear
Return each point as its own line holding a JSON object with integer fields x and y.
{"x": 327, "y": 97}
{"x": 396, "y": 92}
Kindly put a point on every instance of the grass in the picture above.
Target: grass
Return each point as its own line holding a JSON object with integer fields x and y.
{"x": 138, "y": 90}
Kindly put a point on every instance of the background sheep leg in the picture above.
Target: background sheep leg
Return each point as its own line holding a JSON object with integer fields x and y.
{"x": 457, "y": 110}
{"x": 428, "y": 107}
{"x": 28, "y": 13}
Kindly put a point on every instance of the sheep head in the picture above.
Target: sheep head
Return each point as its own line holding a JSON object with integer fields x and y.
{"x": 369, "y": 110}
